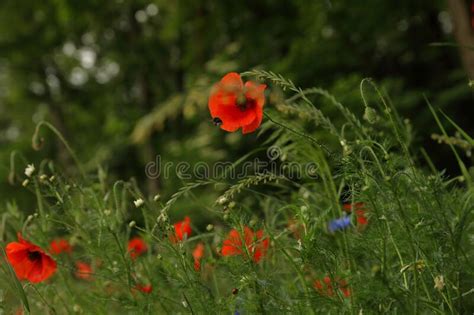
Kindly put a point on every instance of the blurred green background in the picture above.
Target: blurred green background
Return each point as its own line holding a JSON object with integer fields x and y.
{"x": 125, "y": 81}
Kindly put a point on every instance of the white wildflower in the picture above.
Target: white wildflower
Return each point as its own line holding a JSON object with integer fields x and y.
{"x": 139, "y": 202}
{"x": 222, "y": 200}
{"x": 29, "y": 170}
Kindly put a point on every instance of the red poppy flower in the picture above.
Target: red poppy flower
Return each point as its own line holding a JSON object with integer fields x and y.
{"x": 348, "y": 207}
{"x": 359, "y": 212}
{"x": 182, "y": 230}
{"x": 198, "y": 253}
{"x": 361, "y": 217}
{"x": 136, "y": 247}
{"x": 325, "y": 287}
{"x": 256, "y": 244}
{"x": 83, "y": 270}
{"x": 144, "y": 288}
{"x": 29, "y": 261}
{"x": 234, "y": 105}
{"x": 59, "y": 246}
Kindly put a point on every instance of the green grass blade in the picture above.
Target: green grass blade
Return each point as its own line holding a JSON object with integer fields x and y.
{"x": 461, "y": 131}
{"x": 463, "y": 168}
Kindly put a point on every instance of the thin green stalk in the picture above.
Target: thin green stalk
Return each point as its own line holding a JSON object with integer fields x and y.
{"x": 299, "y": 133}
{"x": 38, "y": 142}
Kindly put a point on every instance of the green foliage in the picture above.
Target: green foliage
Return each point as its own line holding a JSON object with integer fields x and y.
{"x": 413, "y": 256}
{"x": 107, "y": 86}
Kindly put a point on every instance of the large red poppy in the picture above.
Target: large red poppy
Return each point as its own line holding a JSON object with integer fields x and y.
{"x": 137, "y": 247}
{"x": 182, "y": 230}
{"x": 59, "y": 246}
{"x": 255, "y": 243}
{"x": 235, "y": 105}
{"x": 198, "y": 253}
{"x": 29, "y": 261}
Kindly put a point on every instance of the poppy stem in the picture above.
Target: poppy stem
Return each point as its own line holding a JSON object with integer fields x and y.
{"x": 299, "y": 133}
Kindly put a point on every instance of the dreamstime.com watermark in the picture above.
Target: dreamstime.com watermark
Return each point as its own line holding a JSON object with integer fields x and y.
{"x": 274, "y": 164}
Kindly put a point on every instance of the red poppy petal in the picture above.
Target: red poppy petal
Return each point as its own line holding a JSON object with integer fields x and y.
{"x": 254, "y": 124}
{"x": 197, "y": 265}
{"x": 23, "y": 269}
{"x": 230, "y": 250}
{"x": 318, "y": 285}
{"x": 16, "y": 252}
{"x": 261, "y": 246}
{"x": 198, "y": 252}
{"x": 248, "y": 237}
{"x": 232, "y": 245}
{"x": 232, "y": 79}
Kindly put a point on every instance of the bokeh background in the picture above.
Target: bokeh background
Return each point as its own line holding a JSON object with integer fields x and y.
{"x": 125, "y": 81}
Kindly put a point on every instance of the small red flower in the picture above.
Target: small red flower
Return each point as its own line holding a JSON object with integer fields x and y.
{"x": 256, "y": 244}
{"x": 29, "y": 261}
{"x": 198, "y": 253}
{"x": 359, "y": 211}
{"x": 182, "y": 230}
{"x": 326, "y": 287}
{"x": 148, "y": 288}
{"x": 348, "y": 207}
{"x": 83, "y": 270}
{"x": 234, "y": 105}
{"x": 137, "y": 247}
{"x": 59, "y": 246}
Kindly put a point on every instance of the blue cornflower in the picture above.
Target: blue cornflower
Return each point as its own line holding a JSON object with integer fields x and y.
{"x": 339, "y": 224}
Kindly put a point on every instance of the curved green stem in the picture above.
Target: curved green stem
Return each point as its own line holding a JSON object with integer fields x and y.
{"x": 299, "y": 133}
{"x": 37, "y": 142}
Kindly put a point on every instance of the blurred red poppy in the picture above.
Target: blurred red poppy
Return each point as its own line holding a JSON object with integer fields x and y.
{"x": 198, "y": 253}
{"x": 137, "y": 247}
{"x": 148, "y": 288}
{"x": 59, "y": 246}
{"x": 182, "y": 230}
{"x": 255, "y": 243}
{"x": 348, "y": 207}
{"x": 83, "y": 270}
{"x": 29, "y": 261}
{"x": 359, "y": 211}
{"x": 325, "y": 287}
{"x": 234, "y": 105}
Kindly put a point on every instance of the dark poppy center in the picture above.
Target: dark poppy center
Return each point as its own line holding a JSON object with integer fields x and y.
{"x": 34, "y": 256}
{"x": 245, "y": 103}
